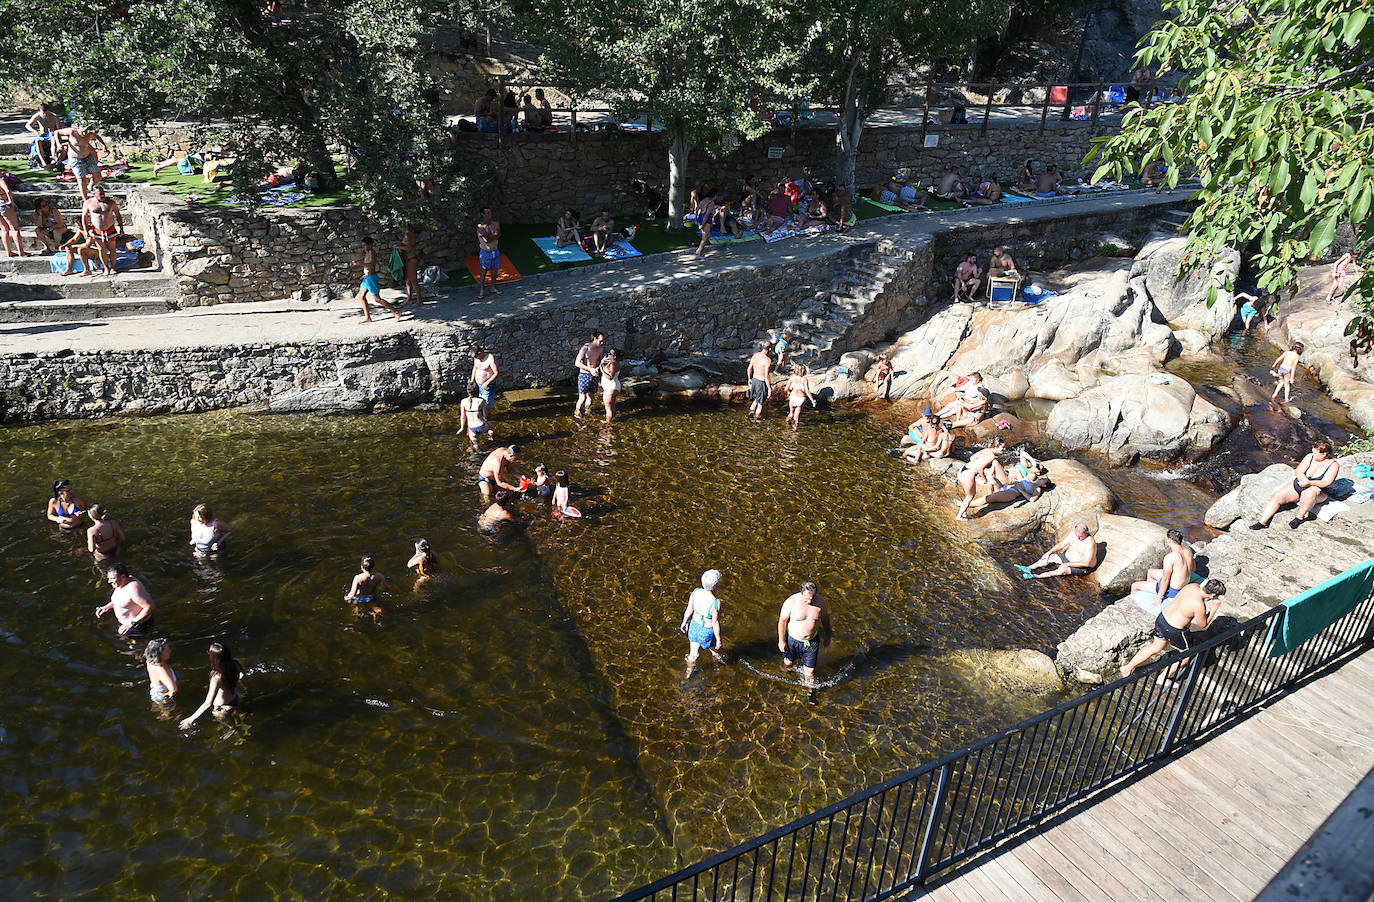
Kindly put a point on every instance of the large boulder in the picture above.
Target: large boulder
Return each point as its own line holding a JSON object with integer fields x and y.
{"x": 1132, "y": 547}
{"x": 1321, "y": 327}
{"x": 1078, "y": 495}
{"x": 1106, "y": 641}
{"x": 924, "y": 351}
{"x": 1182, "y": 299}
{"x": 1247, "y": 500}
{"x": 1137, "y": 414}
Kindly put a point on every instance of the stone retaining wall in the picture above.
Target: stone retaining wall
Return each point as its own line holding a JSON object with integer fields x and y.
{"x": 538, "y": 176}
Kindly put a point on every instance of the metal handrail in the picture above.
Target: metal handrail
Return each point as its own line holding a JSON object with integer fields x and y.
{"x": 900, "y": 832}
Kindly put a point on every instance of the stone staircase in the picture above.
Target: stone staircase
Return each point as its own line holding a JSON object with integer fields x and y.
{"x": 821, "y": 325}
{"x": 31, "y": 292}
{"x": 1173, "y": 221}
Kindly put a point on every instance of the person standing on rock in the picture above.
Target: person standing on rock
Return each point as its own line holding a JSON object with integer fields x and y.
{"x": 1170, "y": 577}
{"x": 803, "y": 627}
{"x": 1075, "y": 555}
{"x": 488, "y": 251}
{"x": 410, "y": 262}
{"x": 371, "y": 284}
{"x": 983, "y": 469}
{"x": 484, "y": 373}
{"x": 701, "y": 620}
{"x": 1340, "y": 271}
{"x": 588, "y": 364}
{"x": 1191, "y": 607}
{"x": 882, "y": 377}
{"x": 760, "y": 365}
{"x": 105, "y": 222}
{"x": 1286, "y": 369}
{"x": 1311, "y": 479}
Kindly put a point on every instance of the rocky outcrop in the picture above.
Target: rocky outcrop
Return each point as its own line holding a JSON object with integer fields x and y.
{"x": 1133, "y": 546}
{"x": 1321, "y": 328}
{"x": 1136, "y": 415}
{"x": 1260, "y": 569}
{"x": 1182, "y": 299}
{"x": 1247, "y": 499}
{"x": 1078, "y": 495}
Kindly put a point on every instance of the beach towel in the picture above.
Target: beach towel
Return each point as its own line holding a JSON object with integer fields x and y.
{"x": 1034, "y": 294}
{"x": 570, "y": 254}
{"x": 1328, "y": 511}
{"x": 1304, "y": 616}
{"x": 124, "y": 259}
{"x": 727, "y": 238}
{"x": 787, "y": 231}
{"x": 1010, "y": 198}
{"x": 620, "y": 250}
{"x": 893, "y": 208}
{"x": 270, "y": 198}
{"x": 506, "y": 272}
{"x": 1148, "y": 599}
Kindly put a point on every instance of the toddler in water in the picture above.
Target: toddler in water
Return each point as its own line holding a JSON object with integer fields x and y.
{"x": 561, "y": 508}
{"x": 542, "y": 487}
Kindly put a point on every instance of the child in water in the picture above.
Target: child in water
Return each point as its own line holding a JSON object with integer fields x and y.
{"x": 542, "y": 487}
{"x": 1286, "y": 369}
{"x": 162, "y": 680}
{"x": 367, "y": 586}
{"x": 423, "y": 561}
{"x": 561, "y": 495}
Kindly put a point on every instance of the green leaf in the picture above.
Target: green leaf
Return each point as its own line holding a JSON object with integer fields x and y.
{"x": 1354, "y": 24}
{"x": 1309, "y": 190}
{"x": 1321, "y": 236}
{"x": 1278, "y": 177}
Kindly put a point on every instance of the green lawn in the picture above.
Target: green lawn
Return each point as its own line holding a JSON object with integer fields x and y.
{"x": 185, "y": 185}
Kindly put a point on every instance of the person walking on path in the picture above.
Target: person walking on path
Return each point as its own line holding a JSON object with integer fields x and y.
{"x": 701, "y": 621}
{"x": 1340, "y": 272}
{"x": 410, "y": 263}
{"x": 803, "y": 627}
{"x": 371, "y": 285}
{"x": 760, "y": 365}
{"x": 588, "y": 364}
{"x": 488, "y": 251}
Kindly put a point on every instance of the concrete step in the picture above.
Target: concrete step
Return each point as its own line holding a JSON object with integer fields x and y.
{"x": 51, "y": 286}
{"x": 81, "y": 309}
{"x": 18, "y": 268}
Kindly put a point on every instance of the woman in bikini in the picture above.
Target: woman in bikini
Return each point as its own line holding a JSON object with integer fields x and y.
{"x": 65, "y": 507}
{"x": 48, "y": 226}
{"x": 162, "y": 680}
{"x": 410, "y": 260}
{"x": 798, "y": 392}
{"x": 9, "y": 223}
{"x": 1311, "y": 479}
{"x": 610, "y": 381}
{"x": 222, "y": 696}
{"x": 1339, "y": 271}
{"x": 207, "y": 532}
{"x": 1286, "y": 369}
{"x": 472, "y": 417}
{"x": 104, "y": 540}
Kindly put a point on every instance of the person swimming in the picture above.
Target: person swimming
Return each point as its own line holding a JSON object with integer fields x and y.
{"x": 367, "y": 586}
{"x": 223, "y": 693}
{"x": 162, "y": 680}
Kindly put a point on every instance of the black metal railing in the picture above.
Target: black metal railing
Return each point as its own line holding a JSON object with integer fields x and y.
{"x": 897, "y": 834}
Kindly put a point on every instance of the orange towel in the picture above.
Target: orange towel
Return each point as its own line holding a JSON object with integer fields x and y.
{"x": 506, "y": 273}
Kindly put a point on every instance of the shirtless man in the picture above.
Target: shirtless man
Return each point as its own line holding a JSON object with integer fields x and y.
{"x": 1192, "y": 606}
{"x": 499, "y": 466}
{"x": 488, "y": 252}
{"x": 484, "y": 111}
{"x": 81, "y": 157}
{"x": 602, "y": 227}
{"x": 367, "y": 586}
{"x": 967, "y": 277}
{"x": 545, "y": 109}
{"x": 1176, "y": 572}
{"x": 130, "y": 601}
{"x": 1286, "y": 369}
{"x": 983, "y": 469}
{"x": 1049, "y": 183}
{"x": 484, "y": 373}
{"x": 43, "y": 125}
{"x": 371, "y": 284}
{"x": 1075, "y": 555}
{"x": 1001, "y": 262}
{"x": 803, "y": 626}
{"x": 952, "y": 185}
{"x": 760, "y": 365}
{"x": 100, "y": 214}
{"x": 588, "y": 365}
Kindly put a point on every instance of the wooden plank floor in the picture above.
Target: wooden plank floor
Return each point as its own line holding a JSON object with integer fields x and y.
{"x": 1213, "y": 826}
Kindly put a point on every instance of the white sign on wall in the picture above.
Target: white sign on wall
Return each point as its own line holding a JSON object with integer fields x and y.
{"x": 932, "y": 141}
{"x": 775, "y": 153}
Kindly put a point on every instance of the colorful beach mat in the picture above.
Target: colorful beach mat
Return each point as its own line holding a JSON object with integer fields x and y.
{"x": 506, "y": 272}
{"x": 620, "y": 250}
{"x": 570, "y": 254}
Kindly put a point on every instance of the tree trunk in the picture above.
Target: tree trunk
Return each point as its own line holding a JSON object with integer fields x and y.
{"x": 677, "y": 173}
{"x": 321, "y": 162}
{"x": 850, "y": 128}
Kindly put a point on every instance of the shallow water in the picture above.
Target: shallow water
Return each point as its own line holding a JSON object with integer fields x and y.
{"x": 521, "y": 726}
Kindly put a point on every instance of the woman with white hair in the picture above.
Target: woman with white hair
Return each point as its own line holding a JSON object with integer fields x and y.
{"x": 701, "y": 619}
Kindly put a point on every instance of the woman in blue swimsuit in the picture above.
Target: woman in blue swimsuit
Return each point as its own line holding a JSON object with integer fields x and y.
{"x": 162, "y": 680}
{"x": 65, "y": 508}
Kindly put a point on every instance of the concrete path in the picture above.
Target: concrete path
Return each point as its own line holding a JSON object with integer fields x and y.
{"x": 284, "y": 321}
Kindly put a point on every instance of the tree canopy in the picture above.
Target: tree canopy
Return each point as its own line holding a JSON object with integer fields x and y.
{"x": 333, "y": 75}
{"x": 1275, "y": 121}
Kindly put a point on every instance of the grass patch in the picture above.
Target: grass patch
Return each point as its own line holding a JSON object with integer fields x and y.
{"x": 186, "y": 185}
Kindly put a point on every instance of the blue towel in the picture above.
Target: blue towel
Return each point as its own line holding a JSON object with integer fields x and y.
{"x": 570, "y": 254}
{"x": 124, "y": 259}
{"x": 1015, "y": 199}
{"x": 621, "y": 250}
{"x": 1306, "y": 615}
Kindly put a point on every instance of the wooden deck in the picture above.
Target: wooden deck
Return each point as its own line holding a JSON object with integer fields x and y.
{"x": 1214, "y": 825}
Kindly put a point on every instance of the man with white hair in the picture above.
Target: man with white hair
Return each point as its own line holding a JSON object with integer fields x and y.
{"x": 701, "y": 620}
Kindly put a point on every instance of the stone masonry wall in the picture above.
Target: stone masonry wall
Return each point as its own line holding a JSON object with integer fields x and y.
{"x": 538, "y": 176}
{"x": 225, "y": 256}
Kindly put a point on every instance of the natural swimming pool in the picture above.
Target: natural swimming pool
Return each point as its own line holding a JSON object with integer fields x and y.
{"x": 520, "y": 726}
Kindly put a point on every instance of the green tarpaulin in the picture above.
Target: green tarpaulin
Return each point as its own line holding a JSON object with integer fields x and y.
{"x": 1304, "y": 616}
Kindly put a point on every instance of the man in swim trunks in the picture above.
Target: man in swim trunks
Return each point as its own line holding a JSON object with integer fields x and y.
{"x": 371, "y": 284}
{"x": 488, "y": 252}
{"x": 1050, "y": 183}
{"x": 588, "y": 365}
{"x": 81, "y": 157}
{"x": 1177, "y": 570}
{"x": 966, "y": 278}
{"x": 1192, "y": 606}
{"x": 132, "y": 605}
{"x": 484, "y": 373}
{"x": 367, "y": 586}
{"x": 499, "y": 466}
{"x": 43, "y": 125}
{"x": 760, "y": 365}
{"x": 105, "y": 222}
{"x": 1075, "y": 555}
{"x": 803, "y": 627}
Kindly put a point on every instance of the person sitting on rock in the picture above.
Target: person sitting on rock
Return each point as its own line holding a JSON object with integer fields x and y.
{"x": 917, "y": 431}
{"x": 983, "y": 469}
{"x": 779, "y": 209}
{"x": 971, "y": 402}
{"x": 841, "y": 205}
{"x": 1017, "y": 489}
{"x": 1313, "y": 476}
{"x": 881, "y": 374}
{"x": 814, "y": 211}
{"x": 1074, "y": 555}
{"x": 1026, "y": 180}
{"x": 1166, "y": 580}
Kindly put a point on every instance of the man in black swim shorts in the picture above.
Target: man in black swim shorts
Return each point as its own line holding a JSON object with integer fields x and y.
{"x": 1192, "y": 606}
{"x": 760, "y": 365}
{"x": 1074, "y": 555}
{"x": 803, "y": 627}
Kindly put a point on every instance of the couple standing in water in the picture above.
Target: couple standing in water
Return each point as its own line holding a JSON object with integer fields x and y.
{"x": 803, "y": 626}
{"x": 596, "y": 365}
